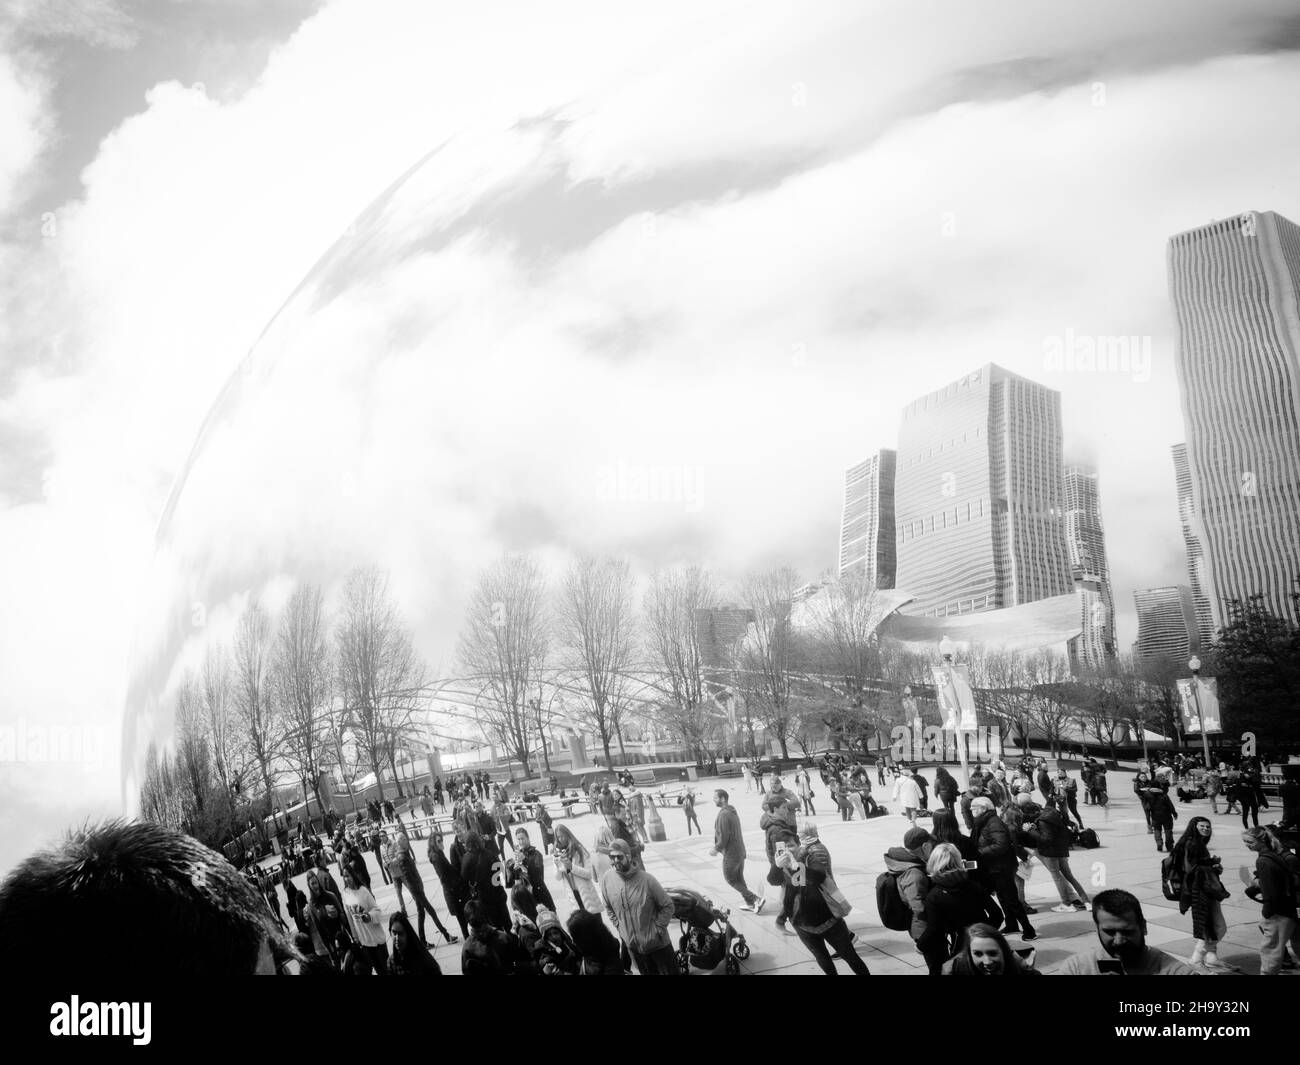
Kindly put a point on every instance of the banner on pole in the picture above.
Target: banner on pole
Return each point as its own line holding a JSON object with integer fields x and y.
{"x": 956, "y": 699}
{"x": 1207, "y": 694}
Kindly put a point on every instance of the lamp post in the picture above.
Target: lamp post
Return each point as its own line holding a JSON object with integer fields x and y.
{"x": 946, "y": 650}
{"x": 1195, "y": 666}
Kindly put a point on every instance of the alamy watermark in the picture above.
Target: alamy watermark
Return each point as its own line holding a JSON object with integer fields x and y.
{"x": 1084, "y": 353}
{"x": 51, "y": 743}
{"x": 668, "y": 484}
{"x": 102, "y": 1018}
{"x": 934, "y": 744}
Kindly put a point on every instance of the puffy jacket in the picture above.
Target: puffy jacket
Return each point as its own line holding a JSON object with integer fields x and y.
{"x": 640, "y": 908}
{"x": 953, "y": 903}
{"x": 726, "y": 835}
{"x": 1049, "y": 835}
{"x": 994, "y": 849}
{"x": 945, "y": 786}
{"x": 907, "y": 793}
{"x": 913, "y": 884}
{"x": 1162, "y": 807}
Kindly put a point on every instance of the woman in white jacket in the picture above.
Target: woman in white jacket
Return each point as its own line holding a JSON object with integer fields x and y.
{"x": 908, "y": 794}
{"x": 575, "y": 869}
{"x": 366, "y": 920}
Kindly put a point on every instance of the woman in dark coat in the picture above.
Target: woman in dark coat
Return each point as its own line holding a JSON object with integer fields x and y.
{"x": 455, "y": 892}
{"x": 1202, "y": 890}
{"x": 945, "y": 788}
{"x": 407, "y": 956}
{"x": 326, "y": 916}
{"x": 479, "y": 869}
{"x": 954, "y": 902}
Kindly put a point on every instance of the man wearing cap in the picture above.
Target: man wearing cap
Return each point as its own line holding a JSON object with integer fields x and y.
{"x": 727, "y": 841}
{"x": 907, "y": 863}
{"x": 641, "y": 911}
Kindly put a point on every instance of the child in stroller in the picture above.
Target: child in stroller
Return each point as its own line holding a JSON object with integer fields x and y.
{"x": 707, "y": 935}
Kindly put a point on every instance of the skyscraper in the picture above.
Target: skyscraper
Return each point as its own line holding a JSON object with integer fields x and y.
{"x": 1234, "y": 287}
{"x": 867, "y": 536}
{"x": 1085, "y": 538}
{"x": 1166, "y": 623}
{"x": 1196, "y": 568}
{"x": 978, "y": 496}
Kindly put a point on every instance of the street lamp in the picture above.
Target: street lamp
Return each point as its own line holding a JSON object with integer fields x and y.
{"x": 946, "y": 650}
{"x": 1195, "y": 666}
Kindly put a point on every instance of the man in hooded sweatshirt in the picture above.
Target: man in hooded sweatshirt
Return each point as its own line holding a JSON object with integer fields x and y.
{"x": 641, "y": 911}
{"x": 907, "y": 863}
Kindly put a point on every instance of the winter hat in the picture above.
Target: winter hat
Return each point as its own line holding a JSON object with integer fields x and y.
{"x": 916, "y": 838}
{"x": 546, "y": 920}
{"x": 619, "y": 846}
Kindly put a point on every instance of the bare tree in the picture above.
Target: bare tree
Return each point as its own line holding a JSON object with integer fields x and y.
{"x": 671, "y": 606}
{"x": 1001, "y": 684}
{"x": 766, "y": 660}
{"x": 503, "y": 644}
{"x": 1054, "y": 699}
{"x": 254, "y": 700}
{"x": 301, "y": 676}
{"x": 229, "y": 750}
{"x": 379, "y": 673}
{"x": 595, "y": 629}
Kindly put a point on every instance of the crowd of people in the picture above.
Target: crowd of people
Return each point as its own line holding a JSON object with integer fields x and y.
{"x": 955, "y": 882}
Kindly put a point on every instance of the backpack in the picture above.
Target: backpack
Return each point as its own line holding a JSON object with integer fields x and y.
{"x": 1171, "y": 878}
{"x": 1088, "y": 838}
{"x": 894, "y": 912}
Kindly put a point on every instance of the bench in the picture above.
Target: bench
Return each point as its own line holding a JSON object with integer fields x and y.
{"x": 729, "y": 769}
{"x": 669, "y": 795}
{"x": 643, "y": 778}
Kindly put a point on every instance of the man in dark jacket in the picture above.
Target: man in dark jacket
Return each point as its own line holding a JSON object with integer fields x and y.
{"x": 996, "y": 855}
{"x": 1051, "y": 836}
{"x": 1163, "y": 816}
{"x": 641, "y": 911}
{"x": 1045, "y": 785}
{"x": 727, "y": 841}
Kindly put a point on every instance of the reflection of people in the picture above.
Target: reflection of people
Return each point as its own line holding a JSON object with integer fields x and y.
{"x": 1122, "y": 938}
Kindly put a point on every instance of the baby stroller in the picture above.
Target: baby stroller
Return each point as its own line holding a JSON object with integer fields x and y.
{"x": 707, "y": 936}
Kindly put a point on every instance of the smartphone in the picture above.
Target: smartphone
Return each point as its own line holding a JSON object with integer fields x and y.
{"x": 1111, "y": 966}
{"x": 970, "y": 866}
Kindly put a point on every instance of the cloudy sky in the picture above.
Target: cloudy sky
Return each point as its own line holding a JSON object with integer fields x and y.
{"x": 722, "y": 243}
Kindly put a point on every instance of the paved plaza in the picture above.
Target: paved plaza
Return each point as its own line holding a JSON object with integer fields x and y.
{"x": 1127, "y": 858}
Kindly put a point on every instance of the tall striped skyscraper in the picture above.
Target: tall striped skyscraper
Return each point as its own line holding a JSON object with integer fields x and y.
{"x": 1234, "y": 287}
{"x": 978, "y": 496}
{"x": 1085, "y": 538}
{"x": 1166, "y": 624}
{"x": 1198, "y": 578}
{"x": 867, "y": 538}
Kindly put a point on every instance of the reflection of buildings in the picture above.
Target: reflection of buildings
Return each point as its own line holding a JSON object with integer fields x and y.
{"x": 1167, "y": 625}
{"x": 867, "y": 535}
{"x": 1085, "y": 539}
{"x": 1234, "y": 287}
{"x": 978, "y": 496}
{"x": 1196, "y": 568}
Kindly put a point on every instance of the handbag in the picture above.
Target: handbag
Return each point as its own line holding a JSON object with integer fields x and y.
{"x": 1212, "y": 885}
{"x": 835, "y": 899}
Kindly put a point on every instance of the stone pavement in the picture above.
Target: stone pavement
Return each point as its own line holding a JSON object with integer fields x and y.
{"x": 1127, "y": 859}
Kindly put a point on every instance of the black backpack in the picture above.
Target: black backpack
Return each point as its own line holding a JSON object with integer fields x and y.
{"x": 1088, "y": 838}
{"x": 1171, "y": 878}
{"x": 894, "y": 912}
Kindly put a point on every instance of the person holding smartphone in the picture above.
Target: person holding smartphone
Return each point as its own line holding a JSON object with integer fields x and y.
{"x": 1122, "y": 948}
